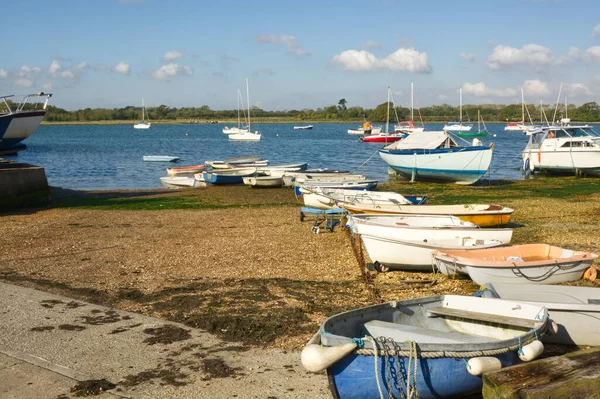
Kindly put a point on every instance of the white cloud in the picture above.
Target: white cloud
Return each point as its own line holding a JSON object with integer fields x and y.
{"x": 403, "y": 59}
{"x": 28, "y": 72}
{"x": 574, "y": 89}
{"x": 371, "y": 44}
{"x": 57, "y": 71}
{"x": 536, "y": 88}
{"x": 23, "y": 82}
{"x": 287, "y": 40}
{"x": 596, "y": 31}
{"x": 529, "y": 56}
{"x": 171, "y": 70}
{"x": 592, "y": 54}
{"x": 3, "y": 74}
{"x": 442, "y": 97}
{"x": 172, "y": 55}
{"x": 47, "y": 86}
{"x": 122, "y": 68}
{"x": 467, "y": 57}
{"x": 479, "y": 89}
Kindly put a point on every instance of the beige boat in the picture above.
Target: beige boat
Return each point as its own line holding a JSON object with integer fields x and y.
{"x": 519, "y": 264}
{"x": 483, "y": 215}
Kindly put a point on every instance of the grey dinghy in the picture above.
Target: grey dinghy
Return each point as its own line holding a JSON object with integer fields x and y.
{"x": 436, "y": 347}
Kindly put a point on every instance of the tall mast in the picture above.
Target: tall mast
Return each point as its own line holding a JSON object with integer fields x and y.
{"x": 238, "y": 100}
{"x": 556, "y": 107}
{"x": 387, "y": 123}
{"x": 248, "y": 99}
{"x": 522, "y": 107}
{"x": 143, "y": 118}
{"x": 412, "y": 100}
{"x": 460, "y": 104}
{"x": 541, "y": 113}
{"x": 566, "y": 107}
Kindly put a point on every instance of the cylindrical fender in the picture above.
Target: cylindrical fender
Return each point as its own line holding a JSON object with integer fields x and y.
{"x": 531, "y": 351}
{"x": 484, "y": 364}
{"x": 316, "y": 358}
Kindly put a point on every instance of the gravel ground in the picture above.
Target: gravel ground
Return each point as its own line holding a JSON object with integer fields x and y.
{"x": 252, "y": 274}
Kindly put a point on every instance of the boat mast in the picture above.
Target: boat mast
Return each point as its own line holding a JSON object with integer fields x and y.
{"x": 460, "y": 104}
{"x": 238, "y": 101}
{"x": 412, "y": 103}
{"x": 248, "y": 100}
{"x": 387, "y": 123}
{"x": 556, "y": 107}
{"x": 522, "y": 108}
{"x": 143, "y": 118}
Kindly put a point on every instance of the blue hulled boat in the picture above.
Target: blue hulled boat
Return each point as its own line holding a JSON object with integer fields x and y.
{"x": 436, "y": 347}
{"x": 228, "y": 176}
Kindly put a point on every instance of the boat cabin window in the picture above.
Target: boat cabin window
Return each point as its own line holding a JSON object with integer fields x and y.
{"x": 558, "y": 134}
{"x": 579, "y": 133}
{"x": 574, "y": 144}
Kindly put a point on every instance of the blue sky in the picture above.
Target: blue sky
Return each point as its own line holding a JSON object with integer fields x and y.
{"x": 300, "y": 54}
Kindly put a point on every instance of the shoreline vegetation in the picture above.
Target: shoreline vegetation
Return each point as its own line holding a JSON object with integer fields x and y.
{"x": 340, "y": 113}
{"x": 168, "y": 253}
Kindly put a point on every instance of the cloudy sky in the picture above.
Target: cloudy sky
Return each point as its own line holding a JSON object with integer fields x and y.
{"x": 301, "y": 54}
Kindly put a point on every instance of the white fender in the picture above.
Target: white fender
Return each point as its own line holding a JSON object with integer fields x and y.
{"x": 316, "y": 358}
{"x": 483, "y": 364}
{"x": 531, "y": 351}
{"x": 552, "y": 328}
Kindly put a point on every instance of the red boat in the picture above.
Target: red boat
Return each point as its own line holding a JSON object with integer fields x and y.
{"x": 383, "y": 138}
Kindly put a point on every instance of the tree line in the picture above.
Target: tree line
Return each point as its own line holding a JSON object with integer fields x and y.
{"x": 588, "y": 112}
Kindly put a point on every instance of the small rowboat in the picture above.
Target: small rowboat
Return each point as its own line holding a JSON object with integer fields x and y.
{"x": 228, "y": 176}
{"x": 483, "y": 215}
{"x": 181, "y": 182}
{"x": 263, "y": 181}
{"x": 435, "y": 347}
{"x": 160, "y": 158}
{"x": 307, "y": 127}
{"x": 185, "y": 170}
{"x": 330, "y": 198}
{"x": 519, "y": 264}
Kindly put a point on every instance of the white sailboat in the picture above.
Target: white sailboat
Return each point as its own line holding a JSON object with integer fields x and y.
{"x": 518, "y": 126}
{"x": 408, "y": 127}
{"x": 143, "y": 124}
{"x": 247, "y": 135}
{"x": 458, "y": 125}
{"x": 239, "y": 128}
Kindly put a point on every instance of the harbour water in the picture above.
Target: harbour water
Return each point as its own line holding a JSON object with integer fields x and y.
{"x": 108, "y": 157}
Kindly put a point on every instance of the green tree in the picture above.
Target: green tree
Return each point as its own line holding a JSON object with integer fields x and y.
{"x": 342, "y": 104}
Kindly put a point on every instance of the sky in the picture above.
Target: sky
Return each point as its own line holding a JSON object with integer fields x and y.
{"x": 300, "y": 54}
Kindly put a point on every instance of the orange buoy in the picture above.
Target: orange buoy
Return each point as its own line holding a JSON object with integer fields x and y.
{"x": 590, "y": 273}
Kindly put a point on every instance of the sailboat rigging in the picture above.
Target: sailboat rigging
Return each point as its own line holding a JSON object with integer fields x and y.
{"x": 143, "y": 124}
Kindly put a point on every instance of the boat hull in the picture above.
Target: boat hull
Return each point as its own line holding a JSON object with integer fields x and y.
{"x": 564, "y": 161}
{"x": 20, "y": 126}
{"x": 550, "y": 274}
{"x": 461, "y": 165}
{"x": 142, "y": 126}
{"x": 263, "y": 181}
{"x": 244, "y": 136}
{"x": 354, "y": 377}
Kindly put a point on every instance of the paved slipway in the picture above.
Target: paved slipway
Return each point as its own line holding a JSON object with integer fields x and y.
{"x": 52, "y": 346}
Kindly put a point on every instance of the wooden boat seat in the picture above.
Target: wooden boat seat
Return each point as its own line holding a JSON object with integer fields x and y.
{"x": 401, "y": 224}
{"x": 403, "y": 332}
{"x": 491, "y": 318}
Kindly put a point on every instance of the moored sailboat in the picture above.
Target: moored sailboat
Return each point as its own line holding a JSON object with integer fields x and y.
{"x": 143, "y": 124}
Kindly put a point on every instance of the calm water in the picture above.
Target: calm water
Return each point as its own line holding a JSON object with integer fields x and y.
{"x": 100, "y": 157}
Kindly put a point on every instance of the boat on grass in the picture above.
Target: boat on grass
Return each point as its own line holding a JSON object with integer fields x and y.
{"x": 228, "y": 176}
{"x": 576, "y": 310}
{"x": 333, "y": 198}
{"x": 341, "y": 184}
{"x": 483, "y": 215}
{"x": 436, "y": 156}
{"x": 518, "y": 264}
{"x": 263, "y": 181}
{"x": 181, "y": 182}
{"x": 185, "y": 170}
{"x": 160, "y": 158}
{"x": 434, "y": 347}
{"x": 19, "y": 119}
{"x": 403, "y": 242}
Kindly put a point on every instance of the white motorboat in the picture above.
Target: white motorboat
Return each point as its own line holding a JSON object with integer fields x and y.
{"x": 518, "y": 264}
{"x": 407, "y": 242}
{"x": 457, "y": 126}
{"x": 305, "y": 127}
{"x": 330, "y": 198}
{"x": 143, "y": 124}
{"x": 160, "y": 158}
{"x": 563, "y": 149}
{"x": 19, "y": 119}
{"x": 576, "y": 310}
{"x": 436, "y": 156}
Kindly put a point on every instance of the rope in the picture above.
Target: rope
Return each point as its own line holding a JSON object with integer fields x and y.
{"x": 364, "y": 163}
{"x": 376, "y": 360}
{"x": 440, "y": 354}
{"x": 412, "y": 358}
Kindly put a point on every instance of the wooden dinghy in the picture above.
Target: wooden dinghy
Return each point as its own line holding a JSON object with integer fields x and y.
{"x": 576, "y": 310}
{"x": 435, "y": 347}
{"x": 185, "y": 170}
{"x": 519, "y": 264}
{"x": 406, "y": 242}
{"x": 484, "y": 215}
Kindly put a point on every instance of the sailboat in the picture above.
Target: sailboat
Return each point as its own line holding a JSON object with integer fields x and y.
{"x": 384, "y": 137}
{"x": 143, "y": 124}
{"x": 518, "y": 126}
{"x": 246, "y": 135}
{"x": 458, "y": 125}
{"x": 479, "y": 133}
{"x": 408, "y": 126}
{"x": 239, "y": 128}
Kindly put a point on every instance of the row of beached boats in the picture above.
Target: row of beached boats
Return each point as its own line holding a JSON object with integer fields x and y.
{"x": 439, "y": 347}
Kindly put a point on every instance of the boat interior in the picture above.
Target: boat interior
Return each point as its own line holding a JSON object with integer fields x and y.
{"x": 521, "y": 253}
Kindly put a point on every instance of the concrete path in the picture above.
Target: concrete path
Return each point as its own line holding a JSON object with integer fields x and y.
{"x": 50, "y": 345}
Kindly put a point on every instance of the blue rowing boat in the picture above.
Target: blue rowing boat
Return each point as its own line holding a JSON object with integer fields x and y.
{"x": 228, "y": 176}
{"x": 435, "y": 347}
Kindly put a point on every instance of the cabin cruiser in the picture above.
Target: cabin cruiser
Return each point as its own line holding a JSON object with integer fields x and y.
{"x": 563, "y": 149}
{"x": 20, "y": 119}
